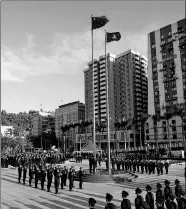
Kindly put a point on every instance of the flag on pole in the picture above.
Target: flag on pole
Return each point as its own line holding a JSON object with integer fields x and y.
{"x": 116, "y": 36}
{"x": 98, "y": 22}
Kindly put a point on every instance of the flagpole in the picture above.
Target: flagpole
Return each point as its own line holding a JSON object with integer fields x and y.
{"x": 107, "y": 100}
{"x": 93, "y": 108}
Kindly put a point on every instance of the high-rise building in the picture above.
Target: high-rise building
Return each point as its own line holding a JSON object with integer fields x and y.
{"x": 127, "y": 86}
{"x": 68, "y": 114}
{"x": 166, "y": 67}
{"x": 42, "y": 121}
{"x": 166, "y": 83}
{"x": 130, "y": 85}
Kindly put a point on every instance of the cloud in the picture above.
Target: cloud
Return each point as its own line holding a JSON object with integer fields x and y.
{"x": 69, "y": 53}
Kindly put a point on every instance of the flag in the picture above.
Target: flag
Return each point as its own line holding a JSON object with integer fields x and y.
{"x": 113, "y": 36}
{"x": 98, "y": 22}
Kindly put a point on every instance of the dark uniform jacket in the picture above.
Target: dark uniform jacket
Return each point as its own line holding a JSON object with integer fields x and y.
{"x": 110, "y": 205}
{"x": 150, "y": 199}
{"x": 125, "y": 204}
{"x": 160, "y": 196}
{"x": 167, "y": 190}
{"x": 178, "y": 191}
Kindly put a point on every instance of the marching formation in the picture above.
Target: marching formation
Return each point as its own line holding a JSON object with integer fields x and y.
{"x": 55, "y": 174}
{"x": 138, "y": 164}
{"x": 161, "y": 199}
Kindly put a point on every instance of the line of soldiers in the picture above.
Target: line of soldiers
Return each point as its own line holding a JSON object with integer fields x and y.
{"x": 162, "y": 197}
{"x": 32, "y": 158}
{"x": 137, "y": 165}
{"x": 59, "y": 173}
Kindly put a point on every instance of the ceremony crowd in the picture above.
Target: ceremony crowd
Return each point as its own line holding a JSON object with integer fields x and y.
{"x": 44, "y": 168}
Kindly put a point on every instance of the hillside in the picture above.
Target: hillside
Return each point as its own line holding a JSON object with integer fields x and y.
{"x": 20, "y": 121}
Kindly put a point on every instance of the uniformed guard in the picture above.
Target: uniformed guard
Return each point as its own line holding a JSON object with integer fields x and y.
{"x": 70, "y": 177}
{"x": 179, "y": 193}
{"x": 167, "y": 191}
{"x": 80, "y": 177}
{"x": 19, "y": 173}
{"x": 159, "y": 195}
{"x": 166, "y": 164}
{"x": 31, "y": 174}
{"x": 57, "y": 179}
{"x": 125, "y": 203}
{"x": 43, "y": 177}
{"x": 142, "y": 163}
{"x": 37, "y": 174}
{"x": 24, "y": 173}
{"x": 149, "y": 197}
{"x": 50, "y": 172}
{"x": 109, "y": 204}
{"x": 91, "y": 203}
{"x": 65, "y": 175}
{"x": 139, "y": 199}
{"x": 62, "y": 178}
{"x": 170, "y": 204}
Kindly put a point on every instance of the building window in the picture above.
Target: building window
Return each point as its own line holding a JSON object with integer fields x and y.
{"x": 174, "y": 136}
{"x": 162, "y": 36}
{"x": 163, "y": 123}
{"x": 173, "y": 122}
{"x": 147, "y": 138}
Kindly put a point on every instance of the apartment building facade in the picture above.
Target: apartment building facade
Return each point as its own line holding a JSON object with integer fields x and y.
{"x": 167, "y": 72}
{"x": 131, "y": 91}
{"x": 127, "y": 86}
{"x": 67, "y": 114}
{"x": 41, "y": 122}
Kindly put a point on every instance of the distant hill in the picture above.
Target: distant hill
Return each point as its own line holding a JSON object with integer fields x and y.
{"x": 20, "y": 121}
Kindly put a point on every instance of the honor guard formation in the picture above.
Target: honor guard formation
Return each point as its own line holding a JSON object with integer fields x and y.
{"x": 44, "y": 169}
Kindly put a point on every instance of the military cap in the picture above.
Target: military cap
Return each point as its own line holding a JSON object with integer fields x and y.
{"x": 167, "y": 182}
{"x": 109, "y": 196}
{"x": 148, "y": 187}
{"x": 125, "y": 193}
{"x": 92, "y": 201}
{"x": 159, "y": 185}
{"x": 176, "y": 181}
{"x": 138, "y": 190}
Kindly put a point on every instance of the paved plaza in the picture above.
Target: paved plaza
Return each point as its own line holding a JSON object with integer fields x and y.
{"x": 19, "y": 196}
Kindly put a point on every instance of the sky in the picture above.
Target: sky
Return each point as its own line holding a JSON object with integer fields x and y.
{"x": 46, "y": 45}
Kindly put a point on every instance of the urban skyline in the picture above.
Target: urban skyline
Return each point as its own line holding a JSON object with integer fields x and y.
{"x": 31, "y": 67}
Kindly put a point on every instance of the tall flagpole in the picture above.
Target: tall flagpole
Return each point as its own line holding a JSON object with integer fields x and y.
{"x": 93, "y": 108}
{"x": 107, "y": 100}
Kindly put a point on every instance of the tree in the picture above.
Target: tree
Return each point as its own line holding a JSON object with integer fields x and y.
{"x": 156, "y": 118}
{"x": 142, "y": 121}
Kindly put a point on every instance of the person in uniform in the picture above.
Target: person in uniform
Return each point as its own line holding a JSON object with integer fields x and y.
{"x": 24, "y": 173}
{"x": 70, "y": 177}
{"x": 179, "y": 193}
{"x": 50, "y": 172}
{"x": 167, "y": 191}
{"x": 109, "y": 204}
{"x": 91, "y": 203}
{"x": 159, "y": 195}
{"x": 142, "y": 163}
{"x": 62, "y": 178}
{"x": 43, "y": 177}
{"x": 170, "y": 204}
{"x": 65, "y": 175}
{"x": 56, "y": 179}
{"x": 80, "y": 177}
{"x": 125, "y": 203}
{"x": 149, "y": 197}
{"x": 139, "y": 199}
{"x": 166, "y": 164}
{"x": 36, "y": 173}
{"x": 19, "y": 173}
{"x": 31, "y": 174}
